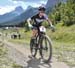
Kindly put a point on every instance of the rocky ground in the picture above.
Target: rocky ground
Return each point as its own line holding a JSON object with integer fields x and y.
{"x": 20, "y": 53}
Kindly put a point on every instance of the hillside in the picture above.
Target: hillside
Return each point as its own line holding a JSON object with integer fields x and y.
{"x": 63, "y": 34}
{"x": 63, "y": 40}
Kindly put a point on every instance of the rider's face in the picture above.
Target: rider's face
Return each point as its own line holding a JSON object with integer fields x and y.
{"x": 41, "y": 13}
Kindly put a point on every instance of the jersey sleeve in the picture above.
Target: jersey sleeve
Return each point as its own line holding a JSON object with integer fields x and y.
{"x": 45, "y": 16}
{"x": 32, "y": 17}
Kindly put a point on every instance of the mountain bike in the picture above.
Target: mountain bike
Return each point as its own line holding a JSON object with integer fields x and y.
{"x": 42, "y": 43}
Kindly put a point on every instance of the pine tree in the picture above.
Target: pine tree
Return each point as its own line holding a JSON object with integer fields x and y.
{"x": 64, "y": 12}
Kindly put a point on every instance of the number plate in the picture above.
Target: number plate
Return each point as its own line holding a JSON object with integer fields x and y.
{"x": 42, "y": 29}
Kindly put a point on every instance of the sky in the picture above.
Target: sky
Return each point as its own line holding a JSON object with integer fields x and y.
{"x": 9, "y": 5}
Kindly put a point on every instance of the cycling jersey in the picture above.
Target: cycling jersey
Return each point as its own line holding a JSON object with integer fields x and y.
{"x": 38, "y": 20}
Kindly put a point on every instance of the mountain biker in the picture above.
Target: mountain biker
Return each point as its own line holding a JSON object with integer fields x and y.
{"x": 38, "y": 19}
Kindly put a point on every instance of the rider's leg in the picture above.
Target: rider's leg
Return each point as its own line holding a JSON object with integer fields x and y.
{"x": 34, "y": 36}
{"x": 34, "y": 33}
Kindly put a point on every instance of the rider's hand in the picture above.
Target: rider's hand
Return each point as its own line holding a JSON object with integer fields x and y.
{"x": 30, "y": 26}
{"x": 52, "y": 28}
{"x": 29, "y": 23}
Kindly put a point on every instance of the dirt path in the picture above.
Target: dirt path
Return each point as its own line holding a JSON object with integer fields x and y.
{"x": 20, "y": 53}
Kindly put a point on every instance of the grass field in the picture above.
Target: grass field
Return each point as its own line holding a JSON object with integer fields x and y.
{"x": 5, "y": 62}
{"x": 63, "y": 42}
{"x": 62, "y": 34}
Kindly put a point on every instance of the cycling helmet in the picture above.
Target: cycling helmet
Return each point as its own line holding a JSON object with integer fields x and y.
{"x": 42, "y": 8}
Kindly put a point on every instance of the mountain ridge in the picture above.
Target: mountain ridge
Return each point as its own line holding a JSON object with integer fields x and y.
{"x": 29, "y": 13}
{"x": 8, "y": 16}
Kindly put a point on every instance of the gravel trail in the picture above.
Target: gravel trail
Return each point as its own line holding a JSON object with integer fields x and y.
{"x": 20, "y": 53}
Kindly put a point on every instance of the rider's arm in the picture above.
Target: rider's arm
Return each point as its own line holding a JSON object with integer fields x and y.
{"x": 48, "y": 20}
{"x": 29, "y": 22}
{"x": 50, "y": 23}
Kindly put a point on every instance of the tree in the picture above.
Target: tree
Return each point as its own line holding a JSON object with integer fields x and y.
{"x": 64, "y": 12}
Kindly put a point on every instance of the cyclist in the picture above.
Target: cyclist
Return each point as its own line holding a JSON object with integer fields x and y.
{"x": 38, "y": 19}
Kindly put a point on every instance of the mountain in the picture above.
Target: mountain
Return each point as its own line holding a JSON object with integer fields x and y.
{"x": 29, "y": 7}
{"x": 51, "y": 3}
{"x": 19, "y": 10}
{"x": 30, "y": 11}
{"x": 11, "y": 15}
{"x": 21, "y": 18}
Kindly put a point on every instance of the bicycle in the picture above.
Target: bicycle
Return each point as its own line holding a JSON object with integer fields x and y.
{"x": 42, "y": 43}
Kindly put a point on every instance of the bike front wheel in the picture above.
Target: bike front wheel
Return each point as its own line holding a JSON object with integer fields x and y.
{"x": 46, "y": 48}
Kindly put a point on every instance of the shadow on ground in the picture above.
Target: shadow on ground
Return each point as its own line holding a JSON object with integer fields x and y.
{"x": 36, "y": 63}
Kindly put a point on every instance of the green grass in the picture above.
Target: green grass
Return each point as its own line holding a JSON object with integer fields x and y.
{"x": 19, "y": 41}
{"x": 64, "y": 52}
{"x": 25, "y": 37}
{"x": 63, "y": 34}
{"x": 5, "y": 62}
{"x": 63, "y": 42}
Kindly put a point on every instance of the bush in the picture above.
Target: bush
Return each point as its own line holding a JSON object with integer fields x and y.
{"x": 64, "y": 12}
{"x": 63, "y": 34}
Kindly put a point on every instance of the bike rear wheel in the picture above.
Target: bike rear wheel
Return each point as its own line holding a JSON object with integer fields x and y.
{"x": 33, "y": 47}
{"x": 46, "y": 48}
